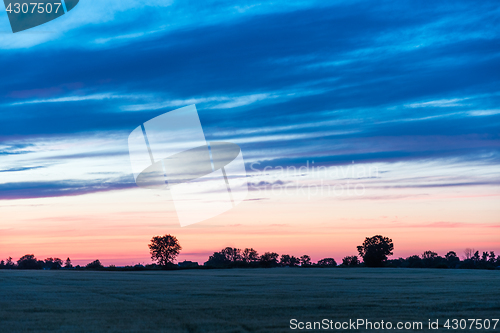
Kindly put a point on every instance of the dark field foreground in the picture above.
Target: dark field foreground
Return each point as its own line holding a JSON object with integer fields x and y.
{"x": 239, "y": 300}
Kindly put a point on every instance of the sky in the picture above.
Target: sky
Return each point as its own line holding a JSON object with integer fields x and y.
{"x": 397, "y": 101}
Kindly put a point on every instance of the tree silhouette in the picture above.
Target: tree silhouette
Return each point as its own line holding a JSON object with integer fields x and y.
{"x": 327, "y": 262}
{"x": 492, "y": 257}
{"x": 468, "y": 252}
{"x": 52, "y": 263}
{"x": 414, "y": 262}
{"x": 288, "y": 260}
{"x": 429, "y": 255}
{"x": 96, "y": 264}
{"x": 28, "y": 261}
{"x": 232, "y": 254}
{"x": 350, "y": 261}
{"x": 294, "y": 261}
{"x": 476, "y": 257}
{"x": 451, "y": 255}
{"x": 164, "y": 249}
{"x": 250, "y": 255}
{"x": 285, "y": 260}
{"x": 269, "y": 259}
{"x": 68, "y": 264}
{"x": 375, "y": 250}
{"x": 305, "y": 260}
{"x": 9, "y": 264}
{"x": 217, "y": 259}
{"x": 428, "y": 258}
{"x": 452, "y": 259}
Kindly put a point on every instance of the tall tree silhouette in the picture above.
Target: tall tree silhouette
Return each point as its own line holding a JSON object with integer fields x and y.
{"x": 164, "y": 249}
{"x": 375, "y": 250}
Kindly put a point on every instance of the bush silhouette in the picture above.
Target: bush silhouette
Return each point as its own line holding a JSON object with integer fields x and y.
{"x": 96, "y": 264}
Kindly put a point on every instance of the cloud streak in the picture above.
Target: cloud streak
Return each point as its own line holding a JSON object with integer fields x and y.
{"x": 45, "y": 189}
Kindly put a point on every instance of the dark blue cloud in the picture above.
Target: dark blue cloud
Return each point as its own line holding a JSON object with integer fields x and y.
{"x": 15, "y": 148}
{"x": 43, "y": 189}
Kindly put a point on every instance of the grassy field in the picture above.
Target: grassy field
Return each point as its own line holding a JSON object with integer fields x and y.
{"x": 239, "y": 300}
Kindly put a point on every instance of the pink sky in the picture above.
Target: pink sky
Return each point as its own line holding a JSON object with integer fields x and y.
{"x": 116, "y": 226}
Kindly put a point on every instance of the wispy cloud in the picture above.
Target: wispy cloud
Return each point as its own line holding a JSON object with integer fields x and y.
{"x": 480, "y": 113}
{"x": 443, "y": 103}
{"x": 22, "y": 169}
{"x": 92, "y": 97}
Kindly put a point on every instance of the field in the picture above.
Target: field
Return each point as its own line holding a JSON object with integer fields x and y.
{"x": 239, "y": 300}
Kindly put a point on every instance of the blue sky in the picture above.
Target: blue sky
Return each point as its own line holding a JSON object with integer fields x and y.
{"x": 290, "y": 82}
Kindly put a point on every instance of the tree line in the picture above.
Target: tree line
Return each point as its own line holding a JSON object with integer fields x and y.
{"x": 373, "y": 252}
{"x": 29, "y": 261}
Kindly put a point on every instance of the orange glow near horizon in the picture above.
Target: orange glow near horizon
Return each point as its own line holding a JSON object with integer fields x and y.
{"x": 116, "y": 228}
